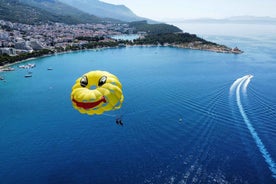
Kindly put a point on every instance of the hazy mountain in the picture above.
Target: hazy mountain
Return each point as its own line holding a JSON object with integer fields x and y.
{"x": 41, "y": 11}
{"x": 104, "y": 10}
{"x": 235, "y": 19}
{"x": 252, "y": 19}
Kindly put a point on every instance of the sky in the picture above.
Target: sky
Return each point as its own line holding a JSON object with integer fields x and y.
{"x": 190, "y": 9}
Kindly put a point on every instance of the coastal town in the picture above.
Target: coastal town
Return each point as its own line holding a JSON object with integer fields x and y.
{"x": 23, "y": 41}
{"x": 17, "y": 38}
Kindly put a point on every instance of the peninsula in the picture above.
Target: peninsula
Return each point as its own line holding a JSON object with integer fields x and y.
{"x": 185, "y": 40}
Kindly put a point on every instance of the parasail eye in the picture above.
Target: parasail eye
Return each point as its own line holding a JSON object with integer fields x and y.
{"x": 102, "y": 81}
{"x": 84, "y": 81}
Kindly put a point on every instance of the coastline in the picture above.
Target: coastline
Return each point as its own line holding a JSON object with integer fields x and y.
{"x": 192, "y": 46}
{"x": 47, "y": 55}
{"x": 22, "y": 61}
{"x": 207, "y": 47}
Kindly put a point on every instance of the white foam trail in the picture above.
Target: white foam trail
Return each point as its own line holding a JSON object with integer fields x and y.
{"x": 257, "y": 139}
{"x": 246, "y": 83}
{"x": 235, "y": 84}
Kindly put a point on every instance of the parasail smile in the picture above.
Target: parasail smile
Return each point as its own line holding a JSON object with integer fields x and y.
{"x": 89, "y": 105}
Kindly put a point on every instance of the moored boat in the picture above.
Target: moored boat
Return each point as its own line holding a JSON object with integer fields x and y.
{"x": 8, "y": 69}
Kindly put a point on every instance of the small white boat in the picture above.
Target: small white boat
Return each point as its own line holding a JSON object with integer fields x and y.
{"x": 27, "y": 66}
{"x": 8, "y": 69}
{"x": 31, "y": 65}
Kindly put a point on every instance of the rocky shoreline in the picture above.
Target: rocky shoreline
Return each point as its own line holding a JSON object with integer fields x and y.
{"x": 208, "y": 47}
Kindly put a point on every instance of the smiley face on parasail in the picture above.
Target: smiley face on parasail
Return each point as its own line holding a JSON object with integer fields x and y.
{"x": 96, "y": 92}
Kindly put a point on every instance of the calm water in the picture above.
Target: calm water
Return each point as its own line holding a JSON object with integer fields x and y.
{"x": 183, "y": 122}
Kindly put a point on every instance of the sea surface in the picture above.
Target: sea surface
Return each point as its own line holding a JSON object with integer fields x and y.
{"x": 188, "y": 116}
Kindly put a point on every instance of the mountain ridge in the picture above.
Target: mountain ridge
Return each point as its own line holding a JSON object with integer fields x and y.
{"x": 44, "y": 11}
{"x": 106, "y": 10}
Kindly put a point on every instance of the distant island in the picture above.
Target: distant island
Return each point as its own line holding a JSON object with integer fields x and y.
{"x": 229, "y": 20}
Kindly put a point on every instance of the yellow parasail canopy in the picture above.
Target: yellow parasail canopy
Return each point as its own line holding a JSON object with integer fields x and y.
{"x": 96, "y": 92}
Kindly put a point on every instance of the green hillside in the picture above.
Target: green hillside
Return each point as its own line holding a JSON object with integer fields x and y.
{"x": 171, "y": 38}
{"x": 43, "y": 11}
{"x": 143, "y": 26}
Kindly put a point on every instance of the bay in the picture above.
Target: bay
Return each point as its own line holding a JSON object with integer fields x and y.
{"x": 182, "y": 122}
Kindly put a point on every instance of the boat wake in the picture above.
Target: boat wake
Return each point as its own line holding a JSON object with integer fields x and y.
{"x": 243, "y": 82}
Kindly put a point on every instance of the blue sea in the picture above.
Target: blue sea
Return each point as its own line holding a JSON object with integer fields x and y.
{"x": 188, "y": 117}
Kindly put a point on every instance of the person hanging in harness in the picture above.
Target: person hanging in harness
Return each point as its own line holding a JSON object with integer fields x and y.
{"x": 119, "y": 121}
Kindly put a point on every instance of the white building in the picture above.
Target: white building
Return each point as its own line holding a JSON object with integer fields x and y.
{"x": 9, "y": 51}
